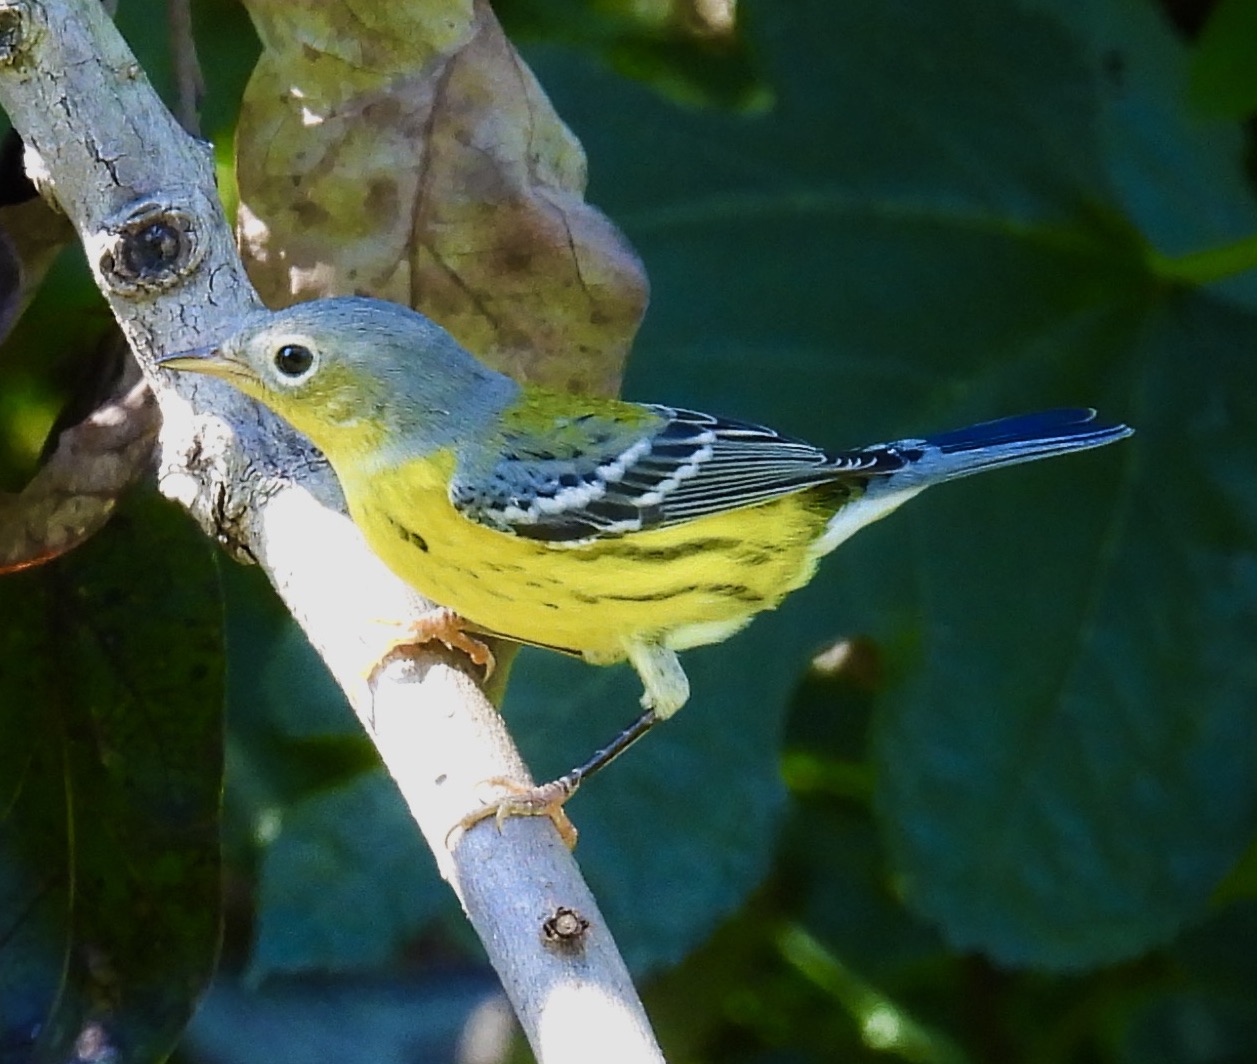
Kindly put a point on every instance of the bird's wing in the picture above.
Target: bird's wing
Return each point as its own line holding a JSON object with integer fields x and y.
{"x": 681, "y": 466}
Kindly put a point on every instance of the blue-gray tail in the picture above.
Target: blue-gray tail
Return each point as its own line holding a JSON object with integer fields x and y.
{"x": 991, "y": 444}
{"x": 901, "y": 469}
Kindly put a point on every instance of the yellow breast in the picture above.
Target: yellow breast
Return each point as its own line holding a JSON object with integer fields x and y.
{"x": 681, "y": 586}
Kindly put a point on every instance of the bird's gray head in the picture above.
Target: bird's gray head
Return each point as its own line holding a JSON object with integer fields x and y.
{"x": 345, "y": 368}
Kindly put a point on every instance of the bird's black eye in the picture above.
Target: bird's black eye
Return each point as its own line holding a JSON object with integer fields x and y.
{"x": 292, "y": 360}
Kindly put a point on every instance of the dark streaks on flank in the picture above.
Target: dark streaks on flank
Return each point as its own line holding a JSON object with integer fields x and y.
{"x": 413, "y": 538}
{"x": 752, "y": 556}
{"x": 740, "y": 592}
{"x": 503, "y": 567}
{"x": 495, "y": 593}
{"x": 487, "y": 588}
{"x": 653, "y": 596}
{"x": 633, "y": 552}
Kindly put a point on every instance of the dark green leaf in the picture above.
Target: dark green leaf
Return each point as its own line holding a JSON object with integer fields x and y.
{"x": 849, "y": 904}
{"x": 1224, "y": 64}
{"x": 349, "y": 1020}
{"x": 1191, "y": 1027}
{"x": 1177, "y": 176}
{"x": 1219, "y": 953}
{"x": 661, "y": 45}
{"x": 1072, "y": 773}
{"x": 926, "y": 231}
{"x": 345, "y": 882}
{"x": 110, "y": 756}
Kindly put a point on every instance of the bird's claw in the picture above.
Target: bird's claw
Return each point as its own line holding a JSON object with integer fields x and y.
{"x": 545, "y": 800}
{"x": 444, "y": 626}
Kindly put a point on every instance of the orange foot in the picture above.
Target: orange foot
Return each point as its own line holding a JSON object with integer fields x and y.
{"x": 546, "y": 800}
{"x": 445, "y": 626}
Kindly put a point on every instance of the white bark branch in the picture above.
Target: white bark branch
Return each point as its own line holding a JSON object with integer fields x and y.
{"x": 140, "y": 192}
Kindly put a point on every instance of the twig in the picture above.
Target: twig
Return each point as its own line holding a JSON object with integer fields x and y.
{"x": 189, "y": 81}
{"x": 140, "y": 193}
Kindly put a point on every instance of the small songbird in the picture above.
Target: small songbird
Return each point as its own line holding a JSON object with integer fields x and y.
{"x": 607, "y": 529}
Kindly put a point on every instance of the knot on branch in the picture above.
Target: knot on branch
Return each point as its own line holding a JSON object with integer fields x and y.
{"x": 148, "y": 247}
{"x": 565, "y": 930}
{"x": 20, "y": 26}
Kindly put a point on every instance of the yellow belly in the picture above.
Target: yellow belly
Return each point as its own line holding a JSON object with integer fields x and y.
{"x": 681, "y": 586}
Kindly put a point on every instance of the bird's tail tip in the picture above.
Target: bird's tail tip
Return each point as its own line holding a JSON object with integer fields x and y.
{"x": 1068, "y": 428}
{"x": 912, "y": 465}
{"x": 1007, "y": 441}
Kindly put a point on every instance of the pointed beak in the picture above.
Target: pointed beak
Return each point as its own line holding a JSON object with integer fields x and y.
{"x": 211, "y": 361}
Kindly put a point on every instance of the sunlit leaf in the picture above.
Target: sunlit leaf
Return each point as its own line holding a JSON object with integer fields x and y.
{"x": 406, "y": 152}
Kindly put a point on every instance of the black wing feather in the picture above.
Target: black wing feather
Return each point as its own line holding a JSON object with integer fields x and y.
{"x": 694, "y": 465}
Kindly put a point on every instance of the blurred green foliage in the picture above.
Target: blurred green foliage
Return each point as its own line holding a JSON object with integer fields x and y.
{"x": 1018, "y": 822}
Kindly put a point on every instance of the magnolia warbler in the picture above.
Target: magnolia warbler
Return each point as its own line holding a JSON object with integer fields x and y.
{"x": 607, "y": 529}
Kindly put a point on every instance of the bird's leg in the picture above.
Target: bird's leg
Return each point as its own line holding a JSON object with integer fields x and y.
{"x": 667, "y": 686}
{"x": 442, "y": 625}
{"x": 667, "y": 690}
{"x": 548, "y": 799}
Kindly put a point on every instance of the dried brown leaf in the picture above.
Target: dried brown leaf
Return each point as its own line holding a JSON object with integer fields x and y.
{"x": 406, "y": 151}
{"x": 78, "y": 487}
{"x": 32, "y": 232}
